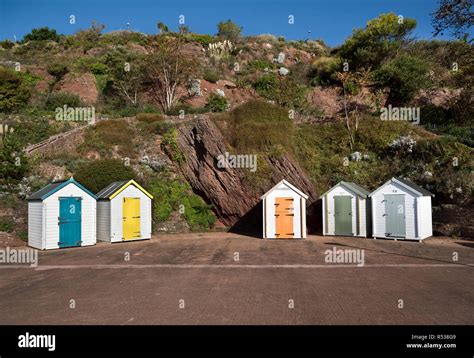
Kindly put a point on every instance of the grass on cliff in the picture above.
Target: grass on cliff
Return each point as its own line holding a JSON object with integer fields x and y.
{"x": 388, "y": 148}
{"x": 109, "y": 136}
{"x": 257, "y": 126}
{"x": 439, "y": 163}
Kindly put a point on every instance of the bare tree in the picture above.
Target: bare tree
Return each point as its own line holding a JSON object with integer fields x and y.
{"x": 127, "y": 74}
{"x": 455, "y": 16}
{"x": 168, "y": 69}
{"x": 352, "y": 116}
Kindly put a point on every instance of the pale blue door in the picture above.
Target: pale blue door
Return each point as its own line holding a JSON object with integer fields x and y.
{"x": 395, "y": 225}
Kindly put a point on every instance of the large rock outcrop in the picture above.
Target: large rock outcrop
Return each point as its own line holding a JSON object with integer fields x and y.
{"x": 232, "y": 196}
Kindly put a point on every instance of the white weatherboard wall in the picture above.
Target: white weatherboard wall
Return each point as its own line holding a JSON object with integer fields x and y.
{"x": 116, "y": 214}
{"x": 299, "y": 218}
{"x": 426, "y": 225}
{"x": 418, "y": 223}
{"x": 49, "y": 228}
{"x": 328, "y": 207}
{"x": 35, "y": 224}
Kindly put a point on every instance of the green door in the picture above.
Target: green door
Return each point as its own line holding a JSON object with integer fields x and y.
{"x": 395, "y": 215}
{"x": 343, "y": 215}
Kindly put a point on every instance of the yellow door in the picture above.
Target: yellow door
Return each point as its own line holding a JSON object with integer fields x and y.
{"x": 131, "y": 218}
{"x": 284, "y": 218}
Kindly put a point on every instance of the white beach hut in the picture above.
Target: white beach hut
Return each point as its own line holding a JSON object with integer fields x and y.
{"x": 401, "y": 210}
{"x": 284, "y": 212}
{"x": 346, "y": 210}
{"x": 124, "y": 212}
{"x": 62, "y": 214}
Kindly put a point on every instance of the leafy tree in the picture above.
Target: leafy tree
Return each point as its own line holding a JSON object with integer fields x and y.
{"x": 162, "y": 27}
{"x": 41, "y": 34}
{"x": 405, "y": 76}
{"x": 216, "y": 103}
{"x": 455, "y": 16}
{"x": 15, "y": 90}
{"x": 166, "y": 68}
{"x": 382, "y": 38}
{"x": 97, "y": 174}
{"x": 229, "y": 30}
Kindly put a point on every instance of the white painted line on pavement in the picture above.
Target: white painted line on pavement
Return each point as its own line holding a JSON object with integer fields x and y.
{"x": 231, "y": 266}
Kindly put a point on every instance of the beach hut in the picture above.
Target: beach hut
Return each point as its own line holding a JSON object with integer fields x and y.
{"x": 123, "y": 212}
{"x": 62, "y": 214}
{"x": 401, "y": 210}
{"x": 346, "y": 210}
{"x": 284, "y": 212}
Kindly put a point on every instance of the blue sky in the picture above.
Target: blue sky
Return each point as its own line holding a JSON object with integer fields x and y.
{"x": 330, "y": 20}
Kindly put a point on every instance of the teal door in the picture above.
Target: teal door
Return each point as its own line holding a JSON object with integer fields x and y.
{"x": 395, "y": 215}
{"x": 70, "y": 221}
{"x": 343, "y": 215}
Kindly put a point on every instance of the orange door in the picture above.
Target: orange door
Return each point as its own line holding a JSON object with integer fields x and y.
{"x": 284, "y": 218}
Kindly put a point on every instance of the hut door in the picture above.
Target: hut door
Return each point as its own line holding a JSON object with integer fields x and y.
{"x": 395, "y": 215}
{"x": 70, "y": 221}
{"x": 131, "y": 218}
{"x": 343, "y": 215}
{"x": 284, "y": 218}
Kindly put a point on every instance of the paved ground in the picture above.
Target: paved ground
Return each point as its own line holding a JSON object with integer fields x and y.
{"x": 200, "y": 269}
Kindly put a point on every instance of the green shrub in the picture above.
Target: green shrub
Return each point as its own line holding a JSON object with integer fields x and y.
{"x": 197, "y": 213}
{"x": 203, "y": 39}
{"x": 210, "y": 76}
{"x": 32, "y": 128}
{"x": 41, "y": 34}
{"x": 57, "y": 70}
{"x": 323, "y": 70}
{"x": 261, "y": 65}
{"x": 266, "y": 86}
{"x": 176, "y": 195}
{"x": 98, "y": 68}
{"x": 6, "y": 224}
{"x": 15, "y": 90}
{"x": 170, "y": 143}
{"x": 228, "y": 30}
{"x": 216, "y": 103}
{"x": 404, "y": 75}
{"x": 13, "y": 163}
{"x": 59, "y": 99}
{"x": 7, "y": 44}
{"x": 96, "y": 175}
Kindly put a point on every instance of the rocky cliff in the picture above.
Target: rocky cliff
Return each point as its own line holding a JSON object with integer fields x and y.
{"x": 234, "y": 199}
